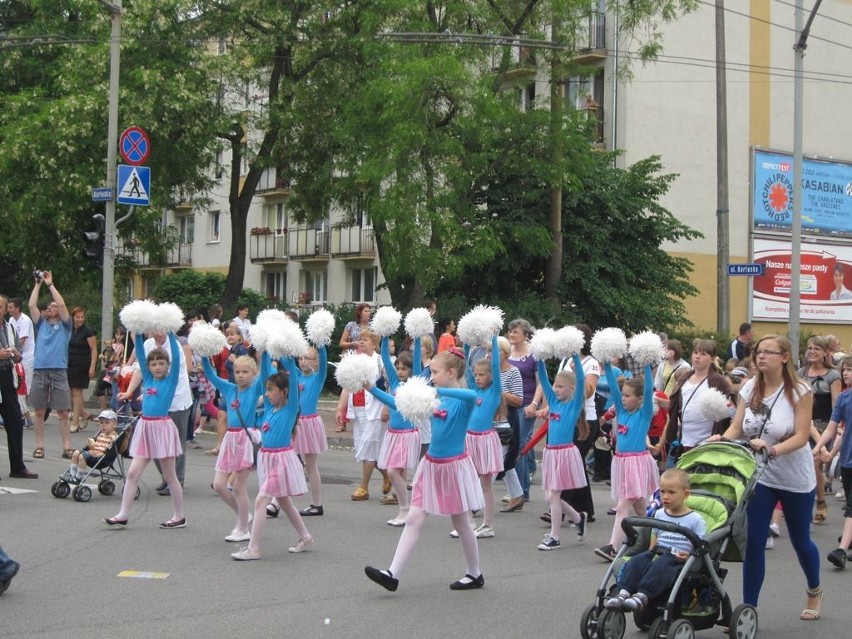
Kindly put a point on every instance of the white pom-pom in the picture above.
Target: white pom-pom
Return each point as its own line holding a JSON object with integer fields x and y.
{"x": 285, "y": 339}
{"x": 418, "y": 323}
{"x": 416, "y": 400}
{"x": 355, "y": 371}
{"x": 568, "y": 341}
{"x": 386, "y": 321}
{"x": 319, "y": 327}
{"x": 713, "y": 404}
{"x": 647, "y": 348}
{"x": 205, "y": 340}
{"x": 479, "y": 325}
{"x": 169, "y": 318}
{"x": 271, "y": 314}
{"x": 608, "y": 343}
{"x": 138, "y": 316}
{"x": 543, "y": 344}
{"x": 260, "y": 335}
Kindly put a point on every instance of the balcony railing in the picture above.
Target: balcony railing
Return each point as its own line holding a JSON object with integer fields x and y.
{"x": 308, "y": 243}
{"x": 270, "y": 248}
{"x": 179, "y": 256}
{"x": 591, "y": 36}
{"x": 353, "y": 242}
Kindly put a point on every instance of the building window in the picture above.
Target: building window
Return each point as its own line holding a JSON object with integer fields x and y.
{"x": 364, "y": 284}
{"x": 315, "y": 287}
{"x": 186, "y": 228}
{"x": 276, "y": 285}
{"x": 276, "y": 218}
{"x": 214, "y": 226}
{"x": 220, "y": 164}
{"x": 527, "y": 97}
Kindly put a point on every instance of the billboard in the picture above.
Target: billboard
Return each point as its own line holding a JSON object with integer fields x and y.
{"x": 826, "y": 195}
{"x": 825, "y": 282}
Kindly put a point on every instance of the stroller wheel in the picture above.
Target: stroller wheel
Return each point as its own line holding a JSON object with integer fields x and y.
{"x": 82, "y": 493}
{"x": 680, "y": 629}
{"x": 743, "y": 623}
{"x": 659, "y": 628}
{"x": 589, "y": 622}
{"x": 106, "y": 487}
{"x": 611, "y": 624}
{"x": 60, "y": 489}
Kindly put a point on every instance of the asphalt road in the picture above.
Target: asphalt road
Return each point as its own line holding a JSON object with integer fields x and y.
{"x": 70, "y": 583}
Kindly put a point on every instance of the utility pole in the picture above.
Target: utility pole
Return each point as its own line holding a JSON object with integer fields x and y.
{"x": 723, "y": 248}
{"x": 107, "y": 290}
{"x": 798, "y": 102}
{"x": 554, "y": 261}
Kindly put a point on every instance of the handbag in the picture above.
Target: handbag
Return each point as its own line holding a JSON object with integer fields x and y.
{"x": 505, "y": 435}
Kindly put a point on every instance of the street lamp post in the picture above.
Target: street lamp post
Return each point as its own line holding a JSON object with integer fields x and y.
{"x": 107, "y": 291}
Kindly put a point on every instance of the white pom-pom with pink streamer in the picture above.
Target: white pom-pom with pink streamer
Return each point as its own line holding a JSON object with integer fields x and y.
{"x": 386, "y": 321}
{"x": 479, "y": 325}
{"x": 356, "y": 371}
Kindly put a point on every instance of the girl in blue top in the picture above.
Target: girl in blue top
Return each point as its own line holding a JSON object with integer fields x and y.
{"x": 236, "y": 452}
{"x": 279, "y": 471}
{"x": 309, "y": 440}
{"x": 446, "y": 481}
{"x": 155, "y": 435}
{"x": 562, "y": 465}
{"x": 401, "y": 444}
{"x": 634, "y": 472}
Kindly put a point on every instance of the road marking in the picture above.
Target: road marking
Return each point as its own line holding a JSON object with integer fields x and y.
{"x": 15, "y": 491}
{"x": 143, "y": 574}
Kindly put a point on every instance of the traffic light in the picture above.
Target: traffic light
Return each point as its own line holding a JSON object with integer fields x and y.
{"x": 94, "y": 247}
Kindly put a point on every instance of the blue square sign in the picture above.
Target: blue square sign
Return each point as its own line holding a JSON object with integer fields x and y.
{"x": 134, "y": 185}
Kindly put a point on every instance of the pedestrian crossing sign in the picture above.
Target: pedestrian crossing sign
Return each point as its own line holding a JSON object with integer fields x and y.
{"x": 134, "y": 185}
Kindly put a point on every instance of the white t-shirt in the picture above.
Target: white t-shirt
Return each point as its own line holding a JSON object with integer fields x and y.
{"x": 24, "y": 328}
{"x": 794, "y": 471}
{"x": 590, "y": 367}
{"x": 695, "y": 426}
{"x": 183, "y": 395}
{"x": 691, "y": 521}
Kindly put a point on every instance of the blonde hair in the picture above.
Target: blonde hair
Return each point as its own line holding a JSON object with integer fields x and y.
{"x": 370, "y": 335}
{"x": 570, "y": 377}
{"x": 504, "y": 346}
{"x": 245, "y": 360}
{"x": 678, "y": 476}
{"x": 428, "y": 343}
{"x": 452, "y": 359}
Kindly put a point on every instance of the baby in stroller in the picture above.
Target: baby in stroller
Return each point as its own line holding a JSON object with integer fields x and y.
{"x": 96, "y": 447}
{"x": 649, "y": 574}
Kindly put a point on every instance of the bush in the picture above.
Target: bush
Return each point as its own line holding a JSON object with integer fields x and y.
{"x": 193, "y": 289}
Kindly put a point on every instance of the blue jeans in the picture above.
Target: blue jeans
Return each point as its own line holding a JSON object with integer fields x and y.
{"x": 797, "y": 509}
{"x": 526, "y": 463}
{"x": 649, "y": 573}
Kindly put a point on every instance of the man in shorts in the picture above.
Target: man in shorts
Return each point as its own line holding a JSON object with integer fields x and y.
{"x": 50, "y": 366}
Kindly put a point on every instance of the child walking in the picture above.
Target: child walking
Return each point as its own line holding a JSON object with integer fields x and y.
{"x": 446, "y": 482}
{"x": 155, "y": 435}
{"x": 236, "y": 452}
{"x": 562, "y": 466}
{"x": 279, "y": 472}
{"x": 309, "y": 440}
{"x": 401, "y": 444}
{"x": 649, "y": 574}
{"x": 634, "y": 472}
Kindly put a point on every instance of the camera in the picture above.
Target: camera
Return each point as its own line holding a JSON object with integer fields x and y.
{"x": 38, "y": 275}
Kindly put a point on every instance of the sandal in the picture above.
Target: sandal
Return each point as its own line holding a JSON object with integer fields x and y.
{"x": 340, "y": 429}
{"x": 38, "y": 453}
{"x": 389, "y": 500}
{"x": 821, "y": 512}
{"x": 213, "y": 452}
{"x": 67, "y": 453}
{"x": 812, "y": 614}
{"x": 360, "y": 494}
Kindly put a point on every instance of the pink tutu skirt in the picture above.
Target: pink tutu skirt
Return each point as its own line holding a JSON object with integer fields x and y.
{"x": 562, "y": 468}
{"x": 447, "y": 486}
{"x": 485, "y": 451}
{"x": 634, "y": 476}
{"x": 400, "y": 449}
{"x": 236, "y": 452}
{"x": 155, "y": 438}
{"x": 280, "y": 473}
{"x": 310, "y": 435}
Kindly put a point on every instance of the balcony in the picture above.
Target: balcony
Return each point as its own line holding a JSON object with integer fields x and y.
{"x": 179, "y": 256}
{"x": 590, "y": 39}
{"x": 273, "y": 183}
{"x": 269, "y": 248}
{"x": 353, "y": 242}
{"x": 308, "y": 244}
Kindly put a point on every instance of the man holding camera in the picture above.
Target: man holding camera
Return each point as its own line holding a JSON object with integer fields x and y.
{"x": 10, "y": 354}
{"x": 50, "y": 368}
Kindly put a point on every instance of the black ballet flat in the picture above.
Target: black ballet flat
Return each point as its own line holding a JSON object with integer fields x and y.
{"x": 382, "y": 577}
{"x": 474, "y": 582}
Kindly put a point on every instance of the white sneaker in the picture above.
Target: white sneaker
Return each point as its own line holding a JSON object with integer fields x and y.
{"x": 397, "y": 523}
{"x": 774, "y": 530}
{"x": 484, "y": 532}
{"x": 246, "y": 555}
{"x": 454, "y": 533}
{"x": 301, "y": 545}
{"x": 840, "y": 495}
{"x": 770, "y": 542}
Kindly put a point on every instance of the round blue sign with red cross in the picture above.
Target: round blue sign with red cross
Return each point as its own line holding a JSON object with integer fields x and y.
{"x": 134, "y": 146}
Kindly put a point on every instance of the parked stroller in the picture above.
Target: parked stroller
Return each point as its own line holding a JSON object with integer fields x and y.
{"x": 723, "y": 477}
{"x": 109, "y": 467}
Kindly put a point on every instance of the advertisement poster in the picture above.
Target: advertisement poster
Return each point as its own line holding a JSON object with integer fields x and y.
{"x": 825, "y": 282}
{"x": 826, "y": 195}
